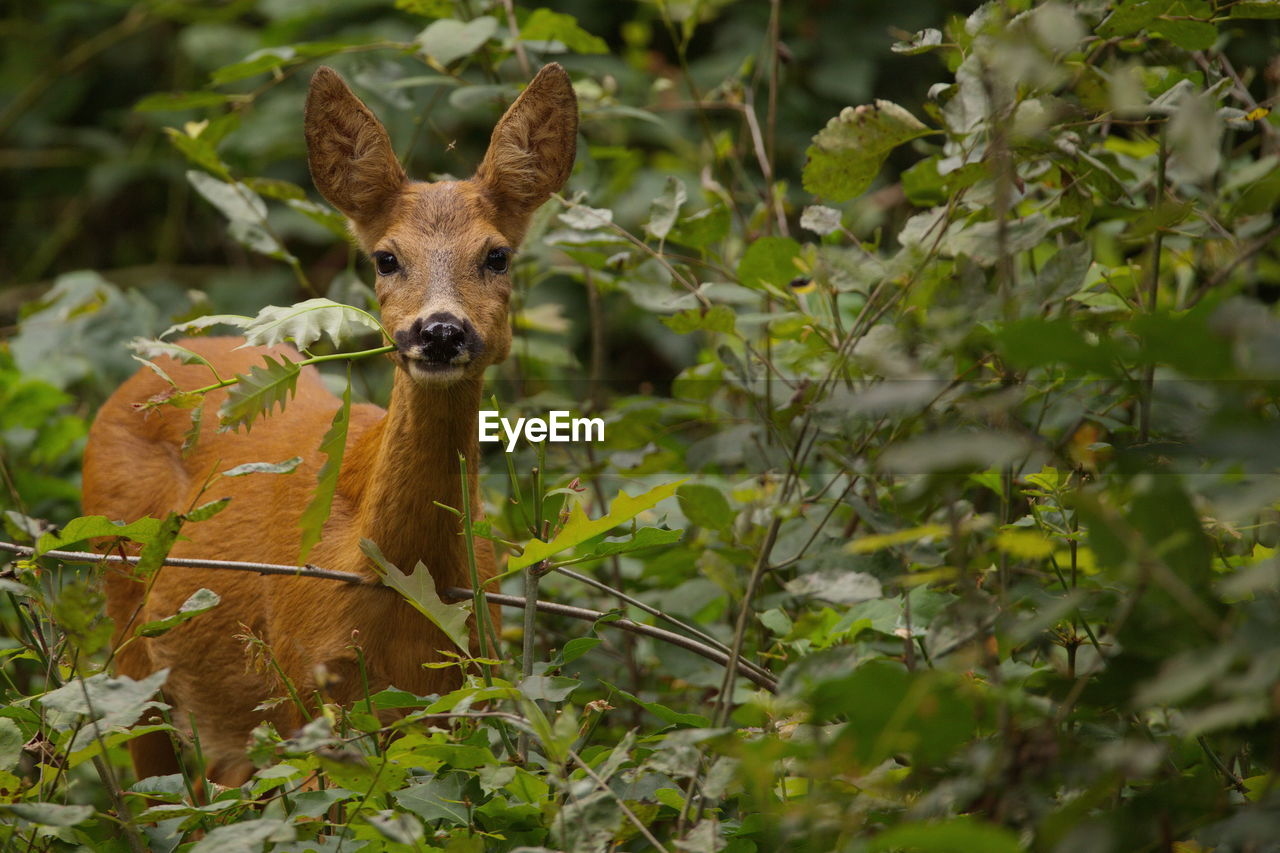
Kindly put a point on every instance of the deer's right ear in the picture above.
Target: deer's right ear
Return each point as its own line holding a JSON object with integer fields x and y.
{"x": 351, "y": 159}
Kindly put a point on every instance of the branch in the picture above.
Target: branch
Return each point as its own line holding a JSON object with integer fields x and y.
{"x": 753, "y": 674}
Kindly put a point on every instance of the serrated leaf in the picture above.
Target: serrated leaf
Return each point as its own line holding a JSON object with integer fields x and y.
{"x": 200, "y": 601}
{"x": 305, "y": 322}
{"x": 579, "y": 528}
{"x": 545, "y": 25}
{"x": 333, "y": 446}
{"x": 419, "y": 589}
{"x": 150, "y": 348}
{"x": 288, "y": 466}
{"x": 847, "y": 154}
{"x": 235, "y": 200}
{"x": 447, "y": 40}
{"x": 665, "y": 209}
{"x": 258, "y": 392}
{"x": 198, "y": 324}
{"x": 94, "y": 526}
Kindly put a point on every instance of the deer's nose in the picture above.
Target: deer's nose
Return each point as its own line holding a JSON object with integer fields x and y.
{"x": 442, "y": 337}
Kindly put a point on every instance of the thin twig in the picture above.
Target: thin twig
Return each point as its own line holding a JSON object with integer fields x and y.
{"x": 457, "y": 593}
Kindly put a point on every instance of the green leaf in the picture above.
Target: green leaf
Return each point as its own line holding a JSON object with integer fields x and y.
{"x": 258, "y": 62}
{"x": 717, "y": 318}
{"x": 579, "y": 528}
{"x": 705, "y": 506}
{"x": 820, "y": 220}
{"x": 645, "y": 537}
{"x": 576, "y": 648}
{"x": 962, "y": 834}
{"x": 165, "y": 102}
{"x": 545, "y": 25}
{"x": 49, "y": 814}
{"x": 333, "y": 446}
{"x": 707, "y": 226}
{"x": 662, "y": 712}
{"x": 1188, "y": 35}
{"x": 305, "y": 322}
{"x": 78, "y": 530}
{"x": 664, "y": 209}
{"x": 154, "y": 552}
{"x": 199, "y": 151}
{"x": 847, "y": 154}
{"x": 206, "y": 511}
{"x": 235, "y": 200}
{"x": 551, "y": 688}
{"x": 116, "y": 701}
{"x": 1036, "y": 342}
{"x": 419, "y": 589}
{"x": 258, "y": 392}
{"x": 427, "y": 8}
{"x": 1131, "y": 16}
{"x": 1265, "y": 9}
{"x": 769, "y": 262}
{"x": 11, "y": 743}
{"x": 249, "y": 836}
{"x": 448, "y": 40}
{"x": 200, "y": 601}
{"x": 288, "y": 466}
{"x": 438, "y": 798}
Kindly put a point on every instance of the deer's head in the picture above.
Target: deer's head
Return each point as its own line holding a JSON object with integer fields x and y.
{"x": 443, "y": 250}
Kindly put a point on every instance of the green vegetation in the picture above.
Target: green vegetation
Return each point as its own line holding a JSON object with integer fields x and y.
{"x": 943, "y": 372}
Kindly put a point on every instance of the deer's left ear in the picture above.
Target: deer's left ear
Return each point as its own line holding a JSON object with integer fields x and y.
{"x": 532, "y": 148}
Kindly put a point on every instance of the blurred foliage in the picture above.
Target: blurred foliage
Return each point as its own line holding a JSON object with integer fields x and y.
{"x": 947, "y": 335}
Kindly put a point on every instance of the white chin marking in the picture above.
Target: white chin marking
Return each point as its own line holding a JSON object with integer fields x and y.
{"x": 425, "y": 375}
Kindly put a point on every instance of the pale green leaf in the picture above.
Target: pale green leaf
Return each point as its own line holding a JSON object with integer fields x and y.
{"x": 447, "y": 40}
{"x": 235, "y": 200}
{"x": 333, "y": 446}
{"x": 200, "y": 601}
{"x": 419, "y": 589}
{"x": 288, "y": 466}
{"x": 664, "y": 209}
{"x": 579, "y": 528}
{"x": 305, "y": 322}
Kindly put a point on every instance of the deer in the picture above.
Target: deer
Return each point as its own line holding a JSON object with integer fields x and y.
{"x": 442, "y": 254}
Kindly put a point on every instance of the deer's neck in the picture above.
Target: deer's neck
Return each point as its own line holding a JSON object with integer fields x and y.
{"x": 411, "y": 460}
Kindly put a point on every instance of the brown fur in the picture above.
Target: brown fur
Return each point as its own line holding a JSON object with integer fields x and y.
{"x": 397, "y": 463}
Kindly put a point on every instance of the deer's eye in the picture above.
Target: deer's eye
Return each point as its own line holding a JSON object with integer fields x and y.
{"x": 385, "y": 263}
{"x": 498, "y": 260}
